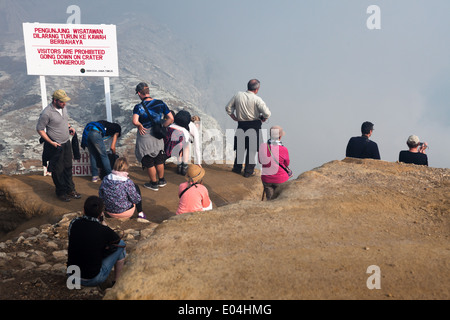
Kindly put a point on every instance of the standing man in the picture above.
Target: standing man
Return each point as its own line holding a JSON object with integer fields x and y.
{"x": 361, "y": 147}
{"x": 149, "y": 149}
{"x": 93, "y": 138}
{"x": 250, "y": 111}
{"x": 54, "y": 128}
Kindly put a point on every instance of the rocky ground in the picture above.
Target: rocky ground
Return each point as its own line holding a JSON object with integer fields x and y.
{"x": 33, "y": 263}
{"x": 33, "y": 233}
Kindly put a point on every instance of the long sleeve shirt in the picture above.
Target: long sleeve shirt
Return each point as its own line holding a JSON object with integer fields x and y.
{"x": 247, "y": 106}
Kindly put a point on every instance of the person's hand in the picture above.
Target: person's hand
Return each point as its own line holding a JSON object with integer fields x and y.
{"x": 423, "y": 147}
{"x": 142, "y": 130}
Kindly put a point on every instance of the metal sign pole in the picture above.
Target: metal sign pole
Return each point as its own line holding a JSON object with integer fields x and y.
{"x": 108, "y": 99}
{"x": 43, "y": 92}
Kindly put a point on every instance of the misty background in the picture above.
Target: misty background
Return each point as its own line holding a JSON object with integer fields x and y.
{"x": 322, "y": 71}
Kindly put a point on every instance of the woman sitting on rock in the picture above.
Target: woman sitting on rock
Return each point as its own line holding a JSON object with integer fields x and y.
{"x": 193, "y": 194}
{"x": 120, "y": 194}
{"x": 274, "y": 158}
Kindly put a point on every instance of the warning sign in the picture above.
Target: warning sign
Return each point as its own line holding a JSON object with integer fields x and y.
{"x": 71, "y": 49}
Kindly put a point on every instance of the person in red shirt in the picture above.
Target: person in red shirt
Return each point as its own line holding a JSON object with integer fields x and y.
{"x": 274, "y": 158}
{"x": 193, "y": 194}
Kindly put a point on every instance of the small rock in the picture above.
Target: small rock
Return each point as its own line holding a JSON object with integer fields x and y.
{"x": 33, "y": 231}
{"x": 52, "y": 244}
{"x": 60, "y": 254}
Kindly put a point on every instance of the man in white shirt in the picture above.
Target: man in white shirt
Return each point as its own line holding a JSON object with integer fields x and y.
{"x": 250, "y": 111}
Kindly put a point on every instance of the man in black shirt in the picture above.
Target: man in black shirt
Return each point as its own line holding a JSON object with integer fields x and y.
{"x": 361, "y": 147}
{"x": 93, "y": 246}
{"x": 416, "y": 153}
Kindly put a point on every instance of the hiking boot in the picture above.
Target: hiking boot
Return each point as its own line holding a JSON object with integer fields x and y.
{"x": 162, "y": 182}
{"x": 64, "y": 197}
{"x": 74, "y": 195}
{"x": 151, "y": 185}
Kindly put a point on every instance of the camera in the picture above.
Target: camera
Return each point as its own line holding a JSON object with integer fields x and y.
{"x": 422, "y": 146}
{"x": 261, "y": 117}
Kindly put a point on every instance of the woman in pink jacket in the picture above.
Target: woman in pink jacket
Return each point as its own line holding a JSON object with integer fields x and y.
{"x": 274, "y": 158}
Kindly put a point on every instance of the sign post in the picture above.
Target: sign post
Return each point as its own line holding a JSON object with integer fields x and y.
{"x": 72, "y": 50}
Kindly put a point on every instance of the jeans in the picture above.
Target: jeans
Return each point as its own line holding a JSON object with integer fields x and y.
{"x": 107, "y": 265}
{"x": 97, "y": 153}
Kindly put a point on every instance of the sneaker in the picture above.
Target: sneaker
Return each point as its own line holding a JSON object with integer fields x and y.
{"x": 151, "y": 185}
{"x": 74, "y": 195}
{"x": 64, "y": 197}
{"x": 162, "y": 182}
{"x": 142, "y": 215}
{"x": 95, "y": 178}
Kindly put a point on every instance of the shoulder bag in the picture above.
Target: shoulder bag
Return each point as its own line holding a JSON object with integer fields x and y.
{"x": 158, "y": 130}
{"x": 288, "y": 171}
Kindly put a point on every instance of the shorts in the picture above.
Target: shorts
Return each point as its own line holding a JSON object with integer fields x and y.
{"x": 149, "y": 162}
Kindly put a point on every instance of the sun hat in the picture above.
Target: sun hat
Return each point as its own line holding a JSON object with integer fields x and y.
{"x": 194, "y": 173}
{"x": 60, "y": 95}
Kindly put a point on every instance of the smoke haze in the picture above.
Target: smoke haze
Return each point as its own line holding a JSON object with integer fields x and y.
{"x": 322, "y": 70}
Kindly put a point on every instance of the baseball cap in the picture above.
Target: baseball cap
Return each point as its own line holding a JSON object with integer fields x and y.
{"x": 60, "y": 95}
{"x": 413, "y": 140}
{"x": 141, "y": 87}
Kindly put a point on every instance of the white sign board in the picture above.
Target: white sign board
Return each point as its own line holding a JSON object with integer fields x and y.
{"x": 71, "y": 49}
{"x": 82, "y": 167}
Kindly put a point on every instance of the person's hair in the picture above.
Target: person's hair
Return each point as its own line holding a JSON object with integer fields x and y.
{"x": 276, "y": 133}
{"x": 412, "y": 144}
{"x": 93, "y": 206}
{"x": 195, "y": 118}
{"x": 253, "y": 85}
{"x": 366, "y": 127}
{"x": 121, "y": 164}
{"x": 145, "y": 90}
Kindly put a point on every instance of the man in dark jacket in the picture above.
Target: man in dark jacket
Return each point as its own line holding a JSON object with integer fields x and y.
{"x": 361, "y": 147}
{"x": 93, "y": 246}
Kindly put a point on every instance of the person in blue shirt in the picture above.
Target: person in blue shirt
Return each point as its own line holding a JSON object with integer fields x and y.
{"x": 94, "y": 135}
{"x": 149, "y": 149}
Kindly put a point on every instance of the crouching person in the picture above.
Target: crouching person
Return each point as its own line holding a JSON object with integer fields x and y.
{"x": 93, "y": 246}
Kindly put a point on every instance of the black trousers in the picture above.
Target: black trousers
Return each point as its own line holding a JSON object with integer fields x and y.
{"x": 246, "y": 145}
{"x": 62, "y": 170}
